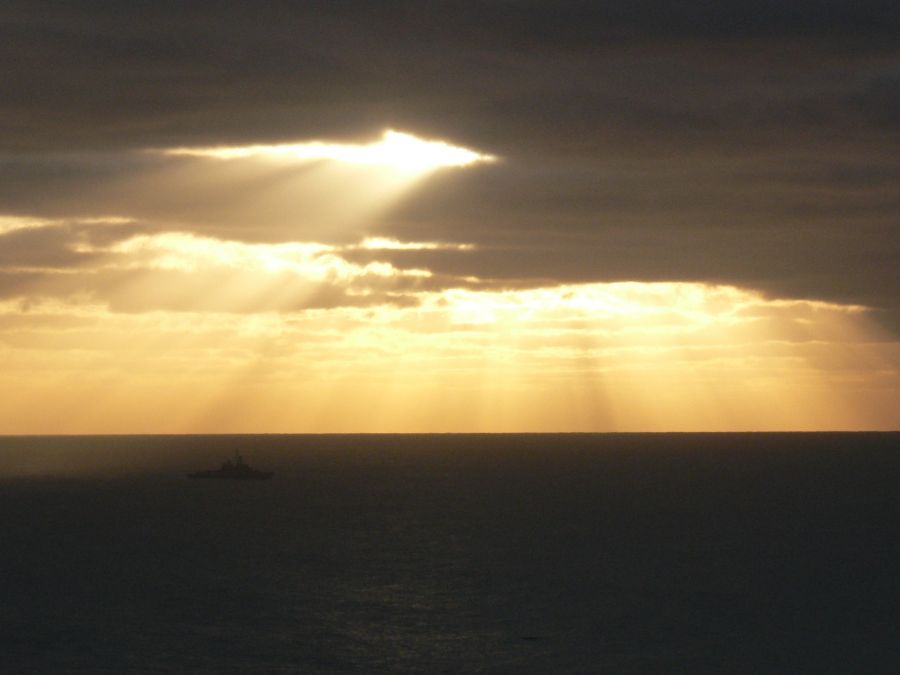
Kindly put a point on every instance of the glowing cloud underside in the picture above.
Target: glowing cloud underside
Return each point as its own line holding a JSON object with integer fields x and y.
{"x": 215, "y": 335}
{"x": 394, "y": 149}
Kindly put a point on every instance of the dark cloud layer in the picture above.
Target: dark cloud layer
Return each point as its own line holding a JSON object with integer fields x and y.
{"x": 746, "y": 142}
{"x": 85, "y": 73}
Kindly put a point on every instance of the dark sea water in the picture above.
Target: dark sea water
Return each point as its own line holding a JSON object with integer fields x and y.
{"x": 619, "y": 553}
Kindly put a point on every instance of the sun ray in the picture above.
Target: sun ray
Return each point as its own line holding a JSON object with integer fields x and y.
{"x": 216, "y": 334}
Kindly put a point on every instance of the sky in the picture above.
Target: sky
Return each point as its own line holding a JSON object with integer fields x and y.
{"x": 416, "y": 216}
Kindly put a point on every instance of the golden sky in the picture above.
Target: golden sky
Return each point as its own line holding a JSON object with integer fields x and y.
{"x": 111, "y": 324}
{"x": 449, "y": 216}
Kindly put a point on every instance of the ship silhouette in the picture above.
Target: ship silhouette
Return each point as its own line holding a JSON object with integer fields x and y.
{"x": 233, "y": 470}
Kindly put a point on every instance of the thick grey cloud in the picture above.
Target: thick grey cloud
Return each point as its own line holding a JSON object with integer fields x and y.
{"x": 83, "y": 74}
{"x": 749, "y": 142}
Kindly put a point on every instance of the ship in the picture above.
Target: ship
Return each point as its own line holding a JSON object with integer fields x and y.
{"x": 233, "y": 470}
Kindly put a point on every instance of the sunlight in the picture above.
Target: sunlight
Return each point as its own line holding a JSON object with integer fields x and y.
{"x": 175, "y": 251}
{"x": 389, "y": 244}
{"x": 227, "y": 335}
{"x": 261, "y": 351}
{"x": 395, "y": 149}
{"x": 318, "y": 187}
{"x": 10, "y": 223}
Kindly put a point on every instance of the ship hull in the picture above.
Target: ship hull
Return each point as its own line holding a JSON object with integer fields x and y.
{"x": 206, "y": 475}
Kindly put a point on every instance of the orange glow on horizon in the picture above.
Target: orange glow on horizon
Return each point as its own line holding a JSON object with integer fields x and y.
{"x": 179, "y": 328}
{"x": 580, "y": 357}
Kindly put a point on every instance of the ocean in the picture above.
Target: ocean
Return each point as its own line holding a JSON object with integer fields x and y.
{"x": 535, "y": 553}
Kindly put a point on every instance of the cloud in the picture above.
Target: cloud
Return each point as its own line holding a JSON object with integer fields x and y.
{"x": 389, "y": 244}
{"x": 743, "y": 145}
{"x": 659, "y": 356}
{"x": 676, "y": 71}
{"x": 132, "y": 268}
{"x": 395, "y": 150}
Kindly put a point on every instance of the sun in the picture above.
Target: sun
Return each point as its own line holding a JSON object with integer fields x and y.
{"x": 407, "y": 152}
{"x": 394, "y": 149}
